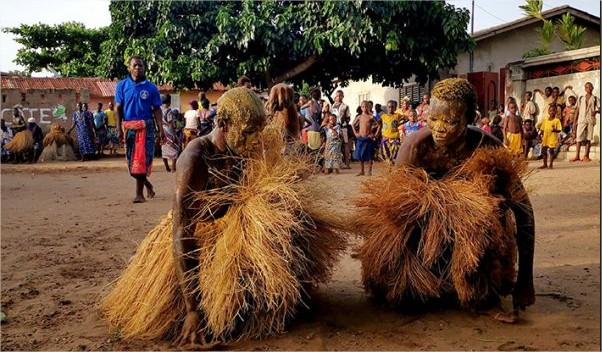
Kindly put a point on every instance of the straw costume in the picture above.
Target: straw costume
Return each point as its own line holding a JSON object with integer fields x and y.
{"x": 57, "y": 145}
{"x": 444, "y": 224}
{"x": 256, "y": 262}
{"x": 427, "y": 238}
{"x": 22, "y": 142}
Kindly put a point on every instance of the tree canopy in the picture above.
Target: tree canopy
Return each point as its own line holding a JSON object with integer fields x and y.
{"x": 196, "y": 43}
{"x": 69, "y": 48}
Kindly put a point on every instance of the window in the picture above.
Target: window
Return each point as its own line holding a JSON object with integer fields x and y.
{"x": 23, "y": 97}
{"x": 414, "y": 91}
{"x": 3, "y": 98}
{"x": 42, "y": 97}
{"x": 362, "y": 96}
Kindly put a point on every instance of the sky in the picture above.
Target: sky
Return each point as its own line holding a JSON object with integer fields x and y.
{"x": 95, "y": 13}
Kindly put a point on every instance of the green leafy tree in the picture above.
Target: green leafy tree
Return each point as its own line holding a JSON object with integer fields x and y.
{"x": 68, "y": 48}
{"x": 569, "y": 33}
{"x": 565, "y": 29}
{"x": 195, "y": 43}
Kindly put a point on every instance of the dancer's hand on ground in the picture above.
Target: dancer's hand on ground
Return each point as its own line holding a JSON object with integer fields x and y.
{"x": 190, "y": 330}
{"x": 523, "y": 294}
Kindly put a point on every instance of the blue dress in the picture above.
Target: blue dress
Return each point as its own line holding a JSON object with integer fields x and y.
{"x": 85, "y": 140}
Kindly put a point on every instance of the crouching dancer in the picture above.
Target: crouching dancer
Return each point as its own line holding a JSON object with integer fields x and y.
{"x": 242, "y": 245}
{"x": 452, "y": 228}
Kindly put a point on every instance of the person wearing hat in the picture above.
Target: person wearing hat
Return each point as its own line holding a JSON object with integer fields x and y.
{"x": 38, "y": 136}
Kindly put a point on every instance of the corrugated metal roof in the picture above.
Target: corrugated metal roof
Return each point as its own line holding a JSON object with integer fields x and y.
{"x": 96, "y": 86}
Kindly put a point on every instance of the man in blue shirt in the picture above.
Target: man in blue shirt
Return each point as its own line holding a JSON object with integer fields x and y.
{"x": 138, "y": 110}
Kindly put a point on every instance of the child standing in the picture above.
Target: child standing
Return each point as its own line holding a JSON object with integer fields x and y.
{"x": 550, "y": 127}
{"x": 333, "y": 155}
{"x": 411, "y": 126}
{"x": 389, "y": 123}
{"x": 364, "y": 143}
{"x": 529, "y": 137}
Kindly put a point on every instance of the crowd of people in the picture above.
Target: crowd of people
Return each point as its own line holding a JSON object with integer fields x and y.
{"x": 336, "y": 135}
{"x": 541, "y": 132}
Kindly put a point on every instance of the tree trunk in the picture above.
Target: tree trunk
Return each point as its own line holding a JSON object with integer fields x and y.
{"x": 293, "y": 72}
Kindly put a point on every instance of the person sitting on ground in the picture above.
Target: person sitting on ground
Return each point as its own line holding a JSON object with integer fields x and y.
{"x": 7, "y": 136}
{"x": 425, "y": 236}
{"x": 549, "y": 130}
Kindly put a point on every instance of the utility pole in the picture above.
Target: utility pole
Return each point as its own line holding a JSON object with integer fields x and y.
{"x": 471, "y": 55}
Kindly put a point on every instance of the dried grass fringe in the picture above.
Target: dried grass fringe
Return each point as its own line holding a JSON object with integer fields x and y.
{"x": 22, "y": 142}
{"x": 57, "y": 135}
{"x": 424, "y": 238}
{"x": 255, "y": 263}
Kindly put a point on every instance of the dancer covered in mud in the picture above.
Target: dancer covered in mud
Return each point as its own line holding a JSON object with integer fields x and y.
{"x": 453, "y": 227}
{"x": 208, "y": 272}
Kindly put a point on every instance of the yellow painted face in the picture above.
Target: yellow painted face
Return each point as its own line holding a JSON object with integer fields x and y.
{"x": 244, "y": 116}
{"x": 244, "y": 139}
{"x": 447, "y": 121}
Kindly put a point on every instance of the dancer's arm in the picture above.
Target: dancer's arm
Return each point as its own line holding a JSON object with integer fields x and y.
{"x": 192, "y": 176}
{"x": 524, "y": 293}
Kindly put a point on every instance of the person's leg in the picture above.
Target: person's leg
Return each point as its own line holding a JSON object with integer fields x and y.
{"x": 166, "y": 165}
{"x": 361, "y": 168}
{"x": 139, "y": 189}
{"x": 578, "y": 149}
{"x": 173, "y": 165}
{"x": 553, "y": 154}
{"x": 544, "y": 154}
{"x": 588, "y": 145}
{"x": 150, "y": 192}
{"x": 370, "y": 167}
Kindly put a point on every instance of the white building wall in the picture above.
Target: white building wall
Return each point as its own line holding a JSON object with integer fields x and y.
{"x": 358, "y": 91}
{"x": 577, "y": 81}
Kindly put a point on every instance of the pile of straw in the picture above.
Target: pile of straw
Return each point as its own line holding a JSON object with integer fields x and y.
{"x": 255, "y": 264}
{"x": 57, "y": 135}
{"x": 427, "y": 238}
{"x": 22, "y": 142}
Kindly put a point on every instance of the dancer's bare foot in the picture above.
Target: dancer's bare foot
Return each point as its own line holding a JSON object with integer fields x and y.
{"x": 574, "y": 159}
{"x": 586, "y": 159}
{"x": 360, "y": 174}
{"x": 543, "y": 167}
{"x": 499, "y": 314}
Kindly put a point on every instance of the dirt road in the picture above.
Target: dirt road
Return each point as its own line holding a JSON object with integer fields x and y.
{"x": 68, "y": 230}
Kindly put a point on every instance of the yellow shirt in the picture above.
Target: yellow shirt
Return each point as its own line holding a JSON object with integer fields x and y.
{"x": 111, "y": 118}
{"x": 550, "y": 139}
{"x": 389, "y": 125}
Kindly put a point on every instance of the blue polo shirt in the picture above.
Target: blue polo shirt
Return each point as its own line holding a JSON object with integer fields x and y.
{"x": 138, "y": 99}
